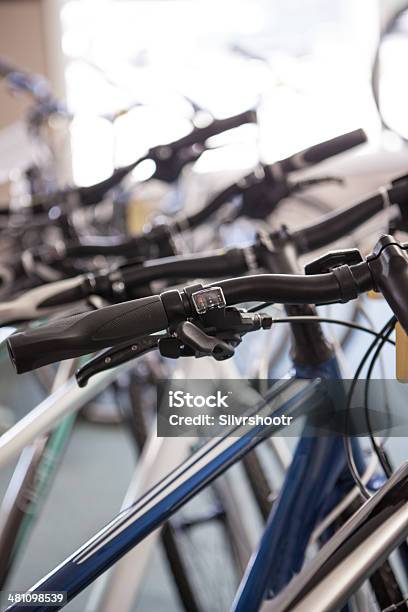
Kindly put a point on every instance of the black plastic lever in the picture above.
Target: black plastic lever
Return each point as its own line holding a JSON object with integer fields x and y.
{"x": 106, "y": 360}
{"x": 202, "y": 343}
{"x": 191, "y": 340}
{"x": 216, "y": 334}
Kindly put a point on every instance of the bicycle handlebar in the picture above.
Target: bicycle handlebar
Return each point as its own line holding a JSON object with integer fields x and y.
{"x": 291, "y": 288}
{"x": 275, "y": 174}
{"x": 217, "y": 126}
{"x": 84, "y": 333}
{"x": 339, "y": 223}
{"x": 131, "y": 278}
{"x": 91, "y": 195}
{"x": 322, "y": 151}
{"x": 229, "y": 261}
{"x": 157, "y": 242}
{"x": 122, "y": 248}
{"x": 53, "y": 297}
{"x": 238, "y": 260}
{"x": 386, "y": 270}
{"x": 84, "y": 196}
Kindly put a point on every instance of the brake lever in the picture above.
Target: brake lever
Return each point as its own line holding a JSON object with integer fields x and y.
{"x": 221, "y": 331}
{"x": 110, "y": 358}
{"x": 191, "y": 341}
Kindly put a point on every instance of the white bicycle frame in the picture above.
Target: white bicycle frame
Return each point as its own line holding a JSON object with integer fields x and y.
{"x": 68, "y": 398}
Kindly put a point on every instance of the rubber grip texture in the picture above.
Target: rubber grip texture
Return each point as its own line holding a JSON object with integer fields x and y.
{"x": 86, "y": 332}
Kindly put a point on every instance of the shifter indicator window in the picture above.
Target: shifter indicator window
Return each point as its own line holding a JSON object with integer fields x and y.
{"x": 208, "y": 299}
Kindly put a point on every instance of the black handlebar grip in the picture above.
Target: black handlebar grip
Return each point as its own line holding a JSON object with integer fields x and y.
{"x": 87, "y": 332}
{"x": 389, "y": 268}
{"x": 217, "y": 126}
{"x": 324, "y": 150}
{"x": 337, "y": 224}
